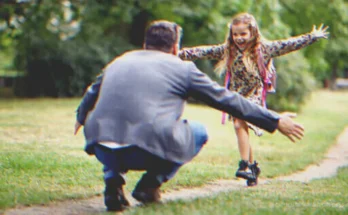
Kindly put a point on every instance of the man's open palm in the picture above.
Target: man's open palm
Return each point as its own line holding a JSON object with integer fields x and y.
{"x": 290, "y": 128}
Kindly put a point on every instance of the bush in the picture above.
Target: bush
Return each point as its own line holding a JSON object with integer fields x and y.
{"x": 294, "y": 83}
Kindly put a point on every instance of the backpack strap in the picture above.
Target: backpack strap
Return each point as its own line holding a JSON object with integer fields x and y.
{"x": 227, "y": 86}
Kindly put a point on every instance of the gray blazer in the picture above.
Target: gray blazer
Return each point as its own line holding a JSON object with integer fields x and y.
{"x": 141, "y": 99}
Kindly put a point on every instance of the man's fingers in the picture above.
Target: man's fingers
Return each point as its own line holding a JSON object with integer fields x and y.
{"x": 294, "y": 131}
{"x": 76, "y": 130}
{"x": 291, "y": 138}
{"x": 290, "y": 114}
{"x": 298, "y": 134}
{"x": 77, "y": 127}
{"x": 300, "y": 127}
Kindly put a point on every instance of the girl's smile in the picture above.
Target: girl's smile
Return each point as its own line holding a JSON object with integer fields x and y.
{"x": 241, "y": 35}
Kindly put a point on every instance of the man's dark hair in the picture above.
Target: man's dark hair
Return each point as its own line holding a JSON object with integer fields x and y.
{"x": 162, "y": 35}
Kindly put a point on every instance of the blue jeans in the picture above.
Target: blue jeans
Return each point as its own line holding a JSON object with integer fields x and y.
{"x": 121, "y": 160}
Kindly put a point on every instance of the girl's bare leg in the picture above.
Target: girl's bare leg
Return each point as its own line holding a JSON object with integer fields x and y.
{"x": 247, "y": 169}
{"x": 245, "y": 151}
{"x": 251, "y": 156}
{"x": 242, "y": 133}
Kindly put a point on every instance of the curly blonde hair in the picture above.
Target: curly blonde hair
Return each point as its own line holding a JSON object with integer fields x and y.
{"x": 254, "y": 48}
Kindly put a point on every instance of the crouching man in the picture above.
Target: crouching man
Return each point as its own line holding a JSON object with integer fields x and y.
{"x": 134, "y": 115}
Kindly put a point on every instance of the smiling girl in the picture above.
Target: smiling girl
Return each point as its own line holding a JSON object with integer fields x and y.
{"x": 246, "y": 60}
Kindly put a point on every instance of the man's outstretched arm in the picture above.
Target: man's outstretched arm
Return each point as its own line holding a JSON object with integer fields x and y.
{"x": 202, "y": 88}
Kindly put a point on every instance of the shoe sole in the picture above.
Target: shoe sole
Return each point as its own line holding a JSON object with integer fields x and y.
{"x": 256, "y": 171}
{"x": 246, "y": 176}
{"x": 144, "y": 198}
{"x": 252, "y": 183}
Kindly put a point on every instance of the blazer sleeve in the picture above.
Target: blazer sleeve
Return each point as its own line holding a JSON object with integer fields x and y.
{"x": 88, "y": 101}
{"x": 202, "y": 88}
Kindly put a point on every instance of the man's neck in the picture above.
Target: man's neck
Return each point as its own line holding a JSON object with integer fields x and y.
{"x": 170, "y": 51}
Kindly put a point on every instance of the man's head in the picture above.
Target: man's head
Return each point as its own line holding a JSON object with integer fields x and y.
{"x": 164, "y": 36}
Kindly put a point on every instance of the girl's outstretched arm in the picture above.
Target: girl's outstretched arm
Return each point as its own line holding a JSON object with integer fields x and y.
{"x": 281, "y": 47}
{"x": 203, "y": 52}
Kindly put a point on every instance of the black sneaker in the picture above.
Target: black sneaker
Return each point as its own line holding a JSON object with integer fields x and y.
{"x": 114, "y": 197}
{"x": 243, "y": 171}
{"x": 256, "y": 171}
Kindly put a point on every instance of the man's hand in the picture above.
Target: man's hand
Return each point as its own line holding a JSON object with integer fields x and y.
{"x": 77, "y": 127}
{"x": 289, "y": 128}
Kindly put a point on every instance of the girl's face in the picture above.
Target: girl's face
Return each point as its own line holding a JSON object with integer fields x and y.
{"x": 241, "y": 35}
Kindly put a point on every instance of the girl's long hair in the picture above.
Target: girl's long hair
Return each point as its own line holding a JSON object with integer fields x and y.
{"x": 254, "y": 47}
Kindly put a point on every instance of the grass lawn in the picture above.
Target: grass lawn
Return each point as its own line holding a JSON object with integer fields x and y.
{"x": 41, "y": 160}
{"x": 325, "y": 196}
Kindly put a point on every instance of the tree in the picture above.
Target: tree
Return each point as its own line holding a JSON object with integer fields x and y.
{"x": 326, "y": 58}
{"x": 63, "y": 45}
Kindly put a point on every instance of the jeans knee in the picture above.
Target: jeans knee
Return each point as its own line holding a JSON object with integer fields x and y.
{"x": 200, "y": 135}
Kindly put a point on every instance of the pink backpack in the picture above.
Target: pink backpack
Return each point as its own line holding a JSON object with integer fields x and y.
{"x": 272, "y": 77}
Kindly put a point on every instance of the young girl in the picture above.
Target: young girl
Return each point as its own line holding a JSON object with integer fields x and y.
{"x": 246, "y": 59}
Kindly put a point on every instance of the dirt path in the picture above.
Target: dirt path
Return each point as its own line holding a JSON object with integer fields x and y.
{"x": 337, "y": 156}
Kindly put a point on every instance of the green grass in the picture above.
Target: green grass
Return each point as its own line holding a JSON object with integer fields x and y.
{"x": 42, "y": 161}
{"x": 325, "y": 196}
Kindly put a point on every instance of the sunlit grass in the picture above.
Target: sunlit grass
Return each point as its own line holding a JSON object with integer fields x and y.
{"x": 324, "y": 196}
{"x": 41, "y": 160}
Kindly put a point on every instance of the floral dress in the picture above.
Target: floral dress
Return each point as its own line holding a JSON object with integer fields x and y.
{"x": 248, "y": 82}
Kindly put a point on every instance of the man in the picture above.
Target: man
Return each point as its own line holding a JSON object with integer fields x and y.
{"x": 134, "y": 112}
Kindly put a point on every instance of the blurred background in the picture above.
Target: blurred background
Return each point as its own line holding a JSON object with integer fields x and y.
{"x": 55, "y": 48}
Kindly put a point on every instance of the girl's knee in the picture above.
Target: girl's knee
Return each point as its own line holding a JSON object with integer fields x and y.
{"x": 239, "y": 124}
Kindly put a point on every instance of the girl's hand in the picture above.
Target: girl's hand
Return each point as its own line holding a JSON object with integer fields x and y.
{"x": 321, "y": 32}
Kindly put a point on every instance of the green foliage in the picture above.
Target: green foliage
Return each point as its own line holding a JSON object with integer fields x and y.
{"x": 63, "y": 45}
{"x": 294, "y": 83}
{"x": 325, "y": 56}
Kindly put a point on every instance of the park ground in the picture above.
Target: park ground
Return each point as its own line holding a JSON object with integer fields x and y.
{"x": 304, "y": 188}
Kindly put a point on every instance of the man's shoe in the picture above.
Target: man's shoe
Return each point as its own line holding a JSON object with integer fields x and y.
{"x": 114, "y": 197}
{"x": 147, "y": 189}
{"x": 147, "y": 195}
